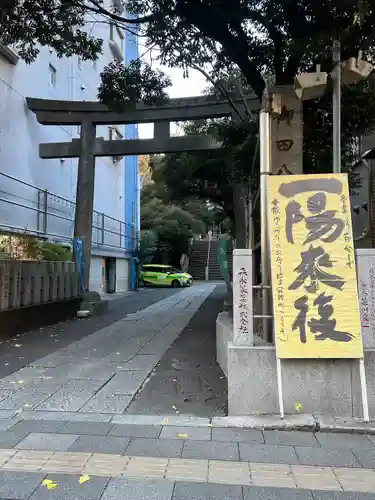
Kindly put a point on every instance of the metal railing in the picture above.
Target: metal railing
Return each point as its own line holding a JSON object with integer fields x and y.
{"x": 28, "y": 209}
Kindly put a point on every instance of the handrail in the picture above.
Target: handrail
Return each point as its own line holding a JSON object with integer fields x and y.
{"x": 43, "y": 213}
{"x": 50, "y": 193}
{"x": 208, "y": 255}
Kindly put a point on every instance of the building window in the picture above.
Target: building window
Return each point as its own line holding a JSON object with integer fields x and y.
{"x": 52, "y": 75}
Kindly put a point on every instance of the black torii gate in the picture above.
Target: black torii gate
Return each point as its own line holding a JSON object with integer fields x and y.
{"x": 89, "y": 114}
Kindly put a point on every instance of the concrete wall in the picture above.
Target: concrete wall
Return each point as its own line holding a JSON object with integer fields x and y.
{"x": 20, "y": 135}
{"x": 96, "y": 274}
{"x": 122, "y": 275}
{"x": 330, "y": 387}
{"x": 224, "y": 334}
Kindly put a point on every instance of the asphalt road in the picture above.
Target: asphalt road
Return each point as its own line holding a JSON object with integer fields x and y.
{"x": 38, "y": 343}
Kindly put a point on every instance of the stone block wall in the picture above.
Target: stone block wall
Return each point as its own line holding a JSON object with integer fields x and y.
{"x": 31, "y": 283}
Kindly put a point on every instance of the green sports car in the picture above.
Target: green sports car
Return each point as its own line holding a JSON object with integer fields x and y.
{"x": 162, "y": 275}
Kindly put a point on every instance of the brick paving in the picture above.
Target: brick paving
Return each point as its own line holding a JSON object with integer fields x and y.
{"x": 243, "y": 473}
{"x": 197, "y": 454}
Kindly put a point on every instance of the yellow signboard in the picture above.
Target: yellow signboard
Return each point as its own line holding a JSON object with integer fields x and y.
{"x": 314, "y": 281}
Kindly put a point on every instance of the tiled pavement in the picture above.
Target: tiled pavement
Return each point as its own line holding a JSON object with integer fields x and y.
{"x": 102, "y": 372}
{"x": 128, "y": 460}
{"x": 62, "y": 421}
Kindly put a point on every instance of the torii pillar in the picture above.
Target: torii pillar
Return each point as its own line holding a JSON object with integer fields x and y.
{"x": 85, "y": 195}
{"x": 287, "y": 133}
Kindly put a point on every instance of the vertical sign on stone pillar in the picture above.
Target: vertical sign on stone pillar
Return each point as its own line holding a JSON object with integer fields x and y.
{"x": 366, "y": 293}
{"x": 44, "y": 284}
{"x": 60, "y": 281}
{"x": 4, "y": 284}
{"x": 37, "y": 280}
{"x": 243, "y": 331}
{"x": 26, "y": 284}
{"x": 52, "y": 277}
{"x": 15, "y": 285}
{"x": 287, "y": 133}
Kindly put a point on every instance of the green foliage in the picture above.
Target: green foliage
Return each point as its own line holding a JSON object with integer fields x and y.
{"x": 23, "y": 247}
{"x": 47, "y": 23}
{"x": 278, "y": 37}
{"x": 62, "y": 26}
{"x": 53, "y": 252}
{"x": 147, "y": 246}
{"x": 136, "y": 82}
{"x": 172, "y": 226}
{"x": 45, "y": 250}
{"x": 257, "y": 39}
{"x": 211, "y": 175}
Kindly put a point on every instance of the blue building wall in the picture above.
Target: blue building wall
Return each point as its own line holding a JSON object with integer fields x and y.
{"x": 131, "y": 187}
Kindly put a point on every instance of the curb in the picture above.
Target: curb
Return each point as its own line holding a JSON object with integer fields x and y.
{"x": 306, "y": 423}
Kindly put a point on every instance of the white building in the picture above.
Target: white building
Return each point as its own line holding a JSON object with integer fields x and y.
{"x": 35, "y": 181}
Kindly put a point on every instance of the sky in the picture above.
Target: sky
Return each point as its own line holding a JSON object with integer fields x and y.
{"x": 181, "y": 87}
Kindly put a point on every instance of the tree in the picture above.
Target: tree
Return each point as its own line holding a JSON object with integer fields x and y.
{"x": 60, "y": 25}
{"x": 268, "y": 37}
{"x": 259, "y": 40}
{"x": 172, "y": 227}
{"x": 213, "y": 176}
{"x": 144, "y": 168}
{"x": 262, "y": 39}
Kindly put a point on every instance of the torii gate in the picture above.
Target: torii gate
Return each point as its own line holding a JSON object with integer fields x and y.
{"x": 89, "y": 114}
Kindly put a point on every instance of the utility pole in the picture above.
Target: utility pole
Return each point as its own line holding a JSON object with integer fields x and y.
{"x": 336, "y": 106}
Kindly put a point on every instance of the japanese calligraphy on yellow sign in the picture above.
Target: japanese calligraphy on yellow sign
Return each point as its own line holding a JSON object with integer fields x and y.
{"x": 314, "y": 280}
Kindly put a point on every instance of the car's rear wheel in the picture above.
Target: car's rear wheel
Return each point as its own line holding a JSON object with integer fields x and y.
{"x": 176, "y": 284}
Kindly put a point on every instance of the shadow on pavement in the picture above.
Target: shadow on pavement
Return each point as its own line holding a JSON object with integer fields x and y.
{"x": 24, "y": 349}
{"x": 188, "y": 380}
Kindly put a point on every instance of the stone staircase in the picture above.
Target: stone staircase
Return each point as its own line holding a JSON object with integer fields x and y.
{"x": 198, "y": 260}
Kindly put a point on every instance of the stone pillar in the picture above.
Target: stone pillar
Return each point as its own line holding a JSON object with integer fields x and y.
{"x": 239, "y": 205}
{"x": 365, "y": 260}
{"x": 287, "y": 133}
{"x": 243, "y": 325}
{"x": 4, "y": 284}
{"x": 85, "y": 195}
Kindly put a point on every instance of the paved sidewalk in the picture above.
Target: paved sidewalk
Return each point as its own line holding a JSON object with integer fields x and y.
{"x": 187, "y": 379}
{"x": 102, "y": 372}
{"x": 65, "y": 433}
{"x": 38, "y": 343}
{"x": 136, "y": 462}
